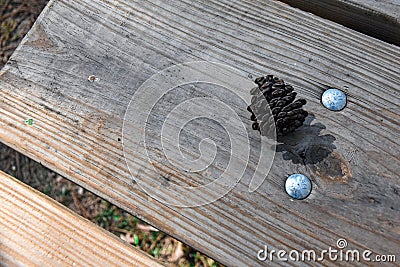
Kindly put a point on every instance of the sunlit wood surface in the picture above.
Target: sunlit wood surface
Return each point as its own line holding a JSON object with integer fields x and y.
{"x": 37, "y": 231}
{"x": 77, "y": 128}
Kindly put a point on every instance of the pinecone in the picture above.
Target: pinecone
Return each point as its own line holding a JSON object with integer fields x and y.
{"x": 287, "y": 113}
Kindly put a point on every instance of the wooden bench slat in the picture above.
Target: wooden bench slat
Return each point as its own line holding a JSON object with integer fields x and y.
{"x": 380, "y": 19}
{"x": 35, "y": 230}
{"x": 78, "y": 124}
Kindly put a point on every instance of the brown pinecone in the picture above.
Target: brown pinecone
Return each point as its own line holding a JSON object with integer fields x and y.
{"x": 287, "y": 113}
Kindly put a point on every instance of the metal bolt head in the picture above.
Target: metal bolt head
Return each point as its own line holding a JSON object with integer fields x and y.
{"x": 298, "y": 186}
{"x": 334, "y": 99}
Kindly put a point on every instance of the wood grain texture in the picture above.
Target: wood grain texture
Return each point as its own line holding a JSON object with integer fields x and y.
{"x": 377, "y": 18}
{"x": 78, "y": 124}
{"x": 37, "y": 231}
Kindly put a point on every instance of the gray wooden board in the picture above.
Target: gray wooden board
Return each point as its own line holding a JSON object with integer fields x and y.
{"x": 77, "y": 128}
{"x": 38, "y": 231}
{"x": 377, "y": 18}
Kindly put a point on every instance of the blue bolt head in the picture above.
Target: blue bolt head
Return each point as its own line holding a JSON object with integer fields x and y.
{"x": 298, "y": 186}
{"x": 334, "y": 99}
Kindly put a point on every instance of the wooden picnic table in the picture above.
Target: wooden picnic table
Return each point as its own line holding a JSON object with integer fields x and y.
{"x": 76, "y": 72}
{"x": 38, "y": 231}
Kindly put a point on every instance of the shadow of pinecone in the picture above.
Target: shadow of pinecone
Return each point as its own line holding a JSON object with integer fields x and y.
{"x": 306, "y": 145}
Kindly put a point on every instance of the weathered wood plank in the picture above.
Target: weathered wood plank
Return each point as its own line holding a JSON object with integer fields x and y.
{"x": 377, "y": 18}
{"x": 37, "y": 231}
{"x": 78, "y": 124}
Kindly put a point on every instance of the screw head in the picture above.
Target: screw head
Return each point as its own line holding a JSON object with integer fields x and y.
{"x": 92, "y": 78}
{"x": 334, "y": 99}
{"x": 298, "y": 186}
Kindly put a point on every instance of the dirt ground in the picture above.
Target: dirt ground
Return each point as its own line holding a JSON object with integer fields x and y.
{"x": 16, "y": 18}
